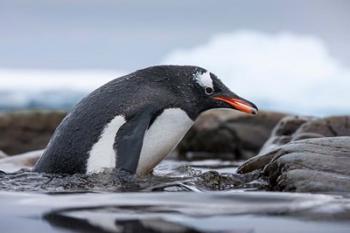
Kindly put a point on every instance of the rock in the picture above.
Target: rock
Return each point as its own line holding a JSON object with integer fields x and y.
{"x": 325, "y": 127}
{"x": 26, "y": 131}
{"x": 294, "y": 128}
{"x": 227, "y": 135}
{"x": 311, "y": 165}
{"x": 213, "y": 180}
{"x": 306, "y": 155}
{"x": 283, "y": 132}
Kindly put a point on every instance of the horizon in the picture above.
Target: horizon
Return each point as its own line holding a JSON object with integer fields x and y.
{"x": 292, "y": 56}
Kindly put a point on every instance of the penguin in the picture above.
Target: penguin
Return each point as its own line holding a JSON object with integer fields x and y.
{"x": 132, "y": 122}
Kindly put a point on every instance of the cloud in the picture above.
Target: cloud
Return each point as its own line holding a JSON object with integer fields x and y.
{"x": 284, "y": 71}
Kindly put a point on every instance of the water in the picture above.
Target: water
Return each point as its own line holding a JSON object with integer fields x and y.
{"x": 171, "y": 212}
{"x": 201, "y": 196}
{"x": 169, "y": 176}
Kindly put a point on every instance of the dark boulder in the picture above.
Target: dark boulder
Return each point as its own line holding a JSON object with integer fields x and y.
{"x": 306, "y": 155}
{"x": 228, "y": 135}
{"x": 311, "y": 165}
{"x": 294, "y": 128}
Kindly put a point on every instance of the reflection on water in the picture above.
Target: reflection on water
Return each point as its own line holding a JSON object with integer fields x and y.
{"x": 175, "y": 212}
{"x": 177, "y": 198}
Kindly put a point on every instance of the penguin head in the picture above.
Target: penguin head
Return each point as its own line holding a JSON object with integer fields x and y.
{"x": 213, "y": 94}
{"x": 193, "y": 89}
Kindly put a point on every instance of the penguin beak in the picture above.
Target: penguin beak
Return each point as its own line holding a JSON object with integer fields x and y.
{"x": 239, "y": 103}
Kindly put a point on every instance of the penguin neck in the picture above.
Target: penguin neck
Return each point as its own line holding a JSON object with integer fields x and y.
{"x": 189, "y": 110}
{"x": 193, "y": 114}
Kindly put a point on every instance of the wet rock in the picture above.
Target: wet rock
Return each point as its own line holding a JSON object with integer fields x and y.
{"x": 311, "y": 165}
{"x": 306, "y": 155}
{"x": 281, "y": 134}
{"x": 284, "y": 131}
{"x": 305, "y": 180}
{"x": 294, "y": 128}
{"x": 325, "y": 127}
{"x": 227, "y": 135}
{"x": 213, "y": 180}
{"x": 26, "y": 131}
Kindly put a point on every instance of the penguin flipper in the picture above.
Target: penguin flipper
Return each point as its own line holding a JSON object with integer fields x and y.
{"x": 129, "y": 140}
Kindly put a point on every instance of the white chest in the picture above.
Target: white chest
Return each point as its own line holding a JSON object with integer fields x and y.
{"x": 162, "y": 137}
{"x": 159, "y": 140}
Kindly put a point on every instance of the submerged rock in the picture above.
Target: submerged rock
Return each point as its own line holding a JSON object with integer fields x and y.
{"x": 306, "y": 155}
{"x": 227, "y": 135}
{"x": 26, "y": 131}
{"x": 213, "y": 180}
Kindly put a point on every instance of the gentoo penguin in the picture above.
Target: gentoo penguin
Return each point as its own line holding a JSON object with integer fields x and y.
{"x": 134, "y": 121}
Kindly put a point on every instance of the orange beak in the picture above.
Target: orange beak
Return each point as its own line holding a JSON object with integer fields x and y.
{"x": 239, "y": 104}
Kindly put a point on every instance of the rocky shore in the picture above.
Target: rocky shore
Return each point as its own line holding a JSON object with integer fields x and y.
{"x": 25, "y": 131}
{"x": 246, "y": 157}
{"x": 289, "y": 153}
{"x": 300, "y": 154}
{"x": 228, "y": 135}
{"x": 306, "y": 154}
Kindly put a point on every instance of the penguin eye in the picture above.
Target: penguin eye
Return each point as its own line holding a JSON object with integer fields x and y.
{"x": 209, "y": 90}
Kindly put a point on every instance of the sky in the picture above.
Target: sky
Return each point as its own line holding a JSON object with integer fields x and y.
{"x": 284, "y": 55}
{"x": 126, "y": 35}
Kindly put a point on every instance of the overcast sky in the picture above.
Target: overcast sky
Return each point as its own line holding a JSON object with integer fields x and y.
{"x": 125, "y": 35}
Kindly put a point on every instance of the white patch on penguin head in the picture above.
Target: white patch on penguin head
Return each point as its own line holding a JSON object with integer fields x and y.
{"x": 204, "y": 79}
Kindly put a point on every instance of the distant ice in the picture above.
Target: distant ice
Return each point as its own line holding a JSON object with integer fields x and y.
{"x": 284, "y": 71}
{"x": 22, "y": 89}
{"x": 43, "y": 80}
